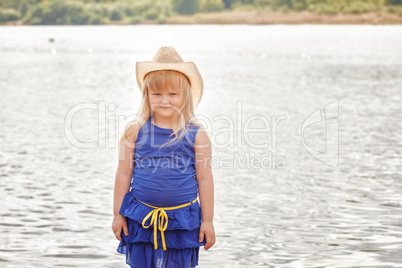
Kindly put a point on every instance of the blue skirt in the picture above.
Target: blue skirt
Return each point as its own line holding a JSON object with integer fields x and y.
{"x": 181, "y": 236}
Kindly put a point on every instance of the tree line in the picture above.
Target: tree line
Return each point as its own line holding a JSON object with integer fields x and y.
{"x": 136, "y": 11}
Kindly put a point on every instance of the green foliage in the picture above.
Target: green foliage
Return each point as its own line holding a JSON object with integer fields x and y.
{"x": 299, "y": 5}
{"x": 282, "y": 3}
{"x": 324, "y": 8}
{"x": 152, "y": 14}
{"x": 185, "y": 6}
{"x": 136, "y": 20}
{"x": 136, "y": 8}
{"x": 394, "y": 2}
{"x": 20, "y": 5}
{"x": 63, "y": 12}
{"x": 8, "y": 14}
{"x": 23, "y": 7}
{"x": 242, "y": 7}
{"x": 115, "y": 13}
{"x": 151, "y": 10}
{"x": 211, "y": 5}
{"x": 228, "y": 3}
{"x": 136, "y": 11}
{"x": 162, "y": 19}
{"x": 395, "y": 9}
{"x": 342, "y": 6}
{"x": 262, "y": 3}
{"x": 316, "y": 6}
{"x": 95, "y": 11}
{"x": 359, "y": 7}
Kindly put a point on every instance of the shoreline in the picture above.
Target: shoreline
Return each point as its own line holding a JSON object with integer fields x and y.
{"x": 269, "y": 17}
{"x": 265, "y": 18}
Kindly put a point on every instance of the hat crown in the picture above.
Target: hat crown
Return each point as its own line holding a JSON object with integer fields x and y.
{"x": 167, "y": 58}
{"x": 167, "y": 55}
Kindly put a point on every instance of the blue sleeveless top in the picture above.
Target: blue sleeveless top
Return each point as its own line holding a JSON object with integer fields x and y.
{"x": 164, "y": 176}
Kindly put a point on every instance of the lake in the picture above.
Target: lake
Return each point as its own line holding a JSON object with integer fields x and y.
{"x": 305, "y": 123}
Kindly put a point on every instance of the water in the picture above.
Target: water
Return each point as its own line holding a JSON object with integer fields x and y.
{"x": 339, "y": 208}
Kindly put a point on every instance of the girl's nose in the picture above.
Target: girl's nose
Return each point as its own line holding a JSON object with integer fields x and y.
{"x": 165, "y": 99}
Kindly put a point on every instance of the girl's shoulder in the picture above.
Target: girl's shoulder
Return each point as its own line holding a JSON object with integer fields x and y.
{"x": 133, "y": 130}
{"x": 194, "y": 127}
{"x": 201, "y": 134}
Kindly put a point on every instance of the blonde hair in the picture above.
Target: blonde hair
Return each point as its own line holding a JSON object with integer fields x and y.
{"x": 154, "y": 81}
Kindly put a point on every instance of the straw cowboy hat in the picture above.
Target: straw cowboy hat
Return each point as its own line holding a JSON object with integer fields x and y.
{"x": 167, "y": 58}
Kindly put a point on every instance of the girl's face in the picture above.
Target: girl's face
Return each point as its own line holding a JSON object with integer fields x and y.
{"x": 165, "y": 102}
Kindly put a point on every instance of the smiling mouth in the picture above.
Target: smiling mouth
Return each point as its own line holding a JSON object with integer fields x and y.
{"x": 164, "y": 107}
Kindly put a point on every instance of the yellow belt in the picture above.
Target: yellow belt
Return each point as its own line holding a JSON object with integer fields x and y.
{"x": 163, "y": 216}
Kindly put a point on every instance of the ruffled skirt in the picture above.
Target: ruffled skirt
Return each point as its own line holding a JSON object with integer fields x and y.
{"x": 181, "y": 236}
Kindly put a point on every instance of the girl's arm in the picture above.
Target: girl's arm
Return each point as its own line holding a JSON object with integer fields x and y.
{"x": 123, "y": 175}
{"x": 203, "y": 154}
{"x": 122, "y": 186}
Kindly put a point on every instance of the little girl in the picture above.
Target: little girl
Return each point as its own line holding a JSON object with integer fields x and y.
{"x": 164, "y": 161}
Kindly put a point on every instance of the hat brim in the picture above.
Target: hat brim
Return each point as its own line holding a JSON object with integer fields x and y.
{"x": 187, "y": 68}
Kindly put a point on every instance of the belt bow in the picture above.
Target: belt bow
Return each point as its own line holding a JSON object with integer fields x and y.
{"x": 160, "y": 213}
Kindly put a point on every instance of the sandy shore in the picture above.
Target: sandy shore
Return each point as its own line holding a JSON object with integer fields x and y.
{"x": 265, "y": 17}
{"x": 269, "y": 17}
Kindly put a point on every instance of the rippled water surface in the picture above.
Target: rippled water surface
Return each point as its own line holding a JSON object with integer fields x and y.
{"x": 328, "y": 193}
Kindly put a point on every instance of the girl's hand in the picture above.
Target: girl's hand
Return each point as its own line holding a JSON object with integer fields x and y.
{"x": 207, "y": 229}
{"x": 119, "y": 222}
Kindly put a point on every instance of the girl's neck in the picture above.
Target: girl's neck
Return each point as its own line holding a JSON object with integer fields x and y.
{"x": 162, "y": 122}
